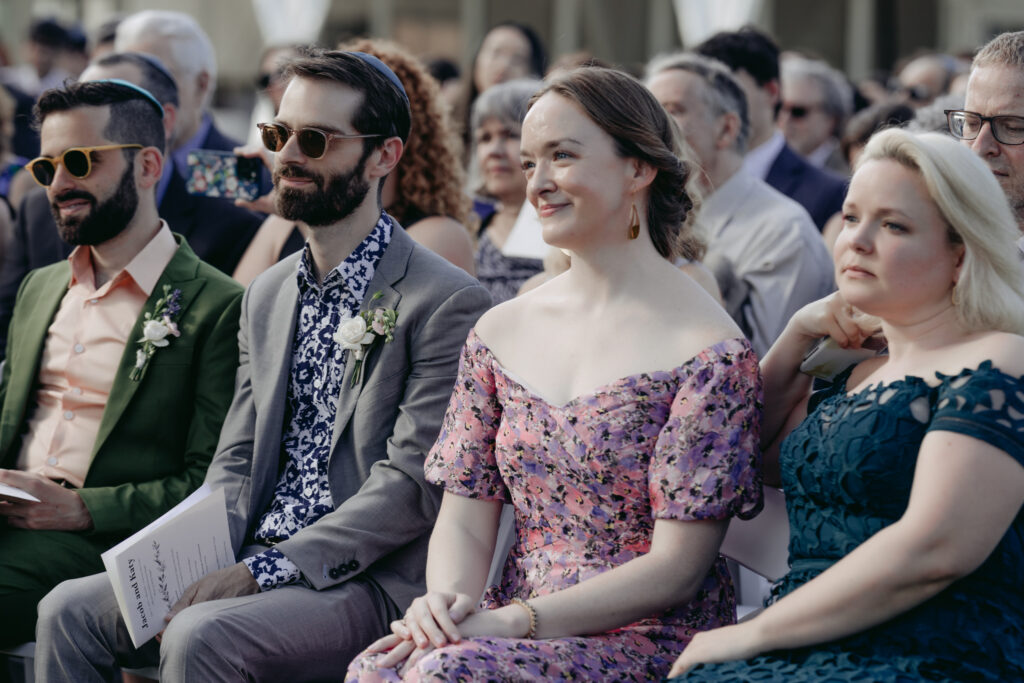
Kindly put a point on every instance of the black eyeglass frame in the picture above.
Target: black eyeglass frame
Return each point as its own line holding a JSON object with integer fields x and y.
{"x": 61, "y": 160}
{"x": 994, "y": 123}
{"x": 327, "y": 137}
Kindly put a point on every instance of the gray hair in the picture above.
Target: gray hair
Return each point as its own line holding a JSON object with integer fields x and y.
{"x": 1006, "y": 49}
{"x": 506, "y": 102}
{"x": 723, "y": 95}
{"x": 932, "y": 118}
{"x": 836, "y": 93}
{"x": 190, "y": 47}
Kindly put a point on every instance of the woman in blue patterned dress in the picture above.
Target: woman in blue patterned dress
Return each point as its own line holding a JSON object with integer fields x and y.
{"x": 905, "y": 479}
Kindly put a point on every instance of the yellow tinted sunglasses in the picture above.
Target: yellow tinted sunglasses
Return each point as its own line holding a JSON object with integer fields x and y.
{"x": 76, "y": 160}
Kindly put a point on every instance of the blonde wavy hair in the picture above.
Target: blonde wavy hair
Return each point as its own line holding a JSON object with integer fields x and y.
{"x": 990, "y": 291}
{"x": 429, "y": 176}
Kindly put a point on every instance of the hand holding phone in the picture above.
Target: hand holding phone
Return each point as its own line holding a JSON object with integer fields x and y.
{"x": 213, "y": 173}
{"x": 827, "y": 358}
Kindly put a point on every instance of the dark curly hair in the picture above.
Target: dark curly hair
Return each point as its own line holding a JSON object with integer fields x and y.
{"x": 429, "y": 176}
{"x": 624, "y": 109}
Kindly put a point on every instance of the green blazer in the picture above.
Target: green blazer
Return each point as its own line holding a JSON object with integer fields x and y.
{"x": 158, "y": 434}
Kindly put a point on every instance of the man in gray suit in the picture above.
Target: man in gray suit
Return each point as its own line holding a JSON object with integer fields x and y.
{"x": 321, "y": 455}
{"x": 766, "y": 254}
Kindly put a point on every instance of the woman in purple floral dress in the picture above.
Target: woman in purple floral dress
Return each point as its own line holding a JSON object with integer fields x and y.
{"x": 616, "y": 408}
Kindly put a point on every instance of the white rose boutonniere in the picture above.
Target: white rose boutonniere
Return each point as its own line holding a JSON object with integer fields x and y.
{"x": 358, "y": 334}
{"x": 352, "y": 335}
{"x": 158, "y": 327}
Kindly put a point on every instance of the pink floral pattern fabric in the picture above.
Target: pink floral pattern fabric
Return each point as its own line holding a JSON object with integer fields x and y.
{"x": 587, "y": 480}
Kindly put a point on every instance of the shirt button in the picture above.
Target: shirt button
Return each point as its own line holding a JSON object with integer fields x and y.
{"x": 79, "y": 348}
{"x": 94, "y": 301}
{"x": 77, "y": 391}
{"x": 69, "y": 415}
{"x": 51, "y": 460}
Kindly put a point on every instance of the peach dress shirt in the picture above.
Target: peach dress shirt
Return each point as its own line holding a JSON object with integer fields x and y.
{"x": 83, "y": 349}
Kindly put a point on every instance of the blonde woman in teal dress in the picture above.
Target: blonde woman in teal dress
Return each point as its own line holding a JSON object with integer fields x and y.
{"x": 904, "y": 480}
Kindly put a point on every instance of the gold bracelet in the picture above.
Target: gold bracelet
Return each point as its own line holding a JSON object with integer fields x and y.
{"x": 532, "y": 633}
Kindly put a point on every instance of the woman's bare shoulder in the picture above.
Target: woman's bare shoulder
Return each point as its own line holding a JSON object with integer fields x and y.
{"x": 1004, "y": 349}
{"x": 509, "y": 318}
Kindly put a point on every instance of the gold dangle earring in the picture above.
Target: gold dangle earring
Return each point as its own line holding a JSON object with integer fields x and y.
{"x": 955, "y": 299}
{"x": 634, "y": 222}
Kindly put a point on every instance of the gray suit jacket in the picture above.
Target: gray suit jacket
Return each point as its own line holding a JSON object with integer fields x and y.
{"x": 384, "y": 427}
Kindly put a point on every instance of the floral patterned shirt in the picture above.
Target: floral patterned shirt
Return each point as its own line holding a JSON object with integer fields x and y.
{"x": 303, "y": 493}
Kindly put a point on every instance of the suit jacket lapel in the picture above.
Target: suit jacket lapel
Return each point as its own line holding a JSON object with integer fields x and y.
{"x": 179, "y": 274}
{"x": 34, "y": 328}
{"x": 391, "y": 268}
{"x": 274, "y": 332}
{"x": 784, "y": 174}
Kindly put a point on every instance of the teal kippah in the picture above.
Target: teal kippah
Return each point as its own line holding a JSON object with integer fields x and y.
{"x": 142, "y": 91}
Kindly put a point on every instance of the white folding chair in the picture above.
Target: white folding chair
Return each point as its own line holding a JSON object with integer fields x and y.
{"x": 760, "y": 545}
{"x": 502, "y": 545}
{"x": 19, "y": 662}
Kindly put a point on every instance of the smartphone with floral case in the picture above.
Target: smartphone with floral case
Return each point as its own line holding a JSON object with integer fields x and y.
{"x": 213, "y": 173}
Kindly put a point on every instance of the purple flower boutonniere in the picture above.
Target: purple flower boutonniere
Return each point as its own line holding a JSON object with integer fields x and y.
{"x": 358, "y": 334}
{"x": 159, "y": 325}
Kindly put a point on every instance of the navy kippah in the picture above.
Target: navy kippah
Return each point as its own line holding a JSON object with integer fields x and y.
{"x": 383, "y": 68}
{"x": 156, "y": 64}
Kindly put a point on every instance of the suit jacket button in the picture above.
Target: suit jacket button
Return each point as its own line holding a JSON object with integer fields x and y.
{"x": 353, "y": 565}
{"x": 334, "y": 573}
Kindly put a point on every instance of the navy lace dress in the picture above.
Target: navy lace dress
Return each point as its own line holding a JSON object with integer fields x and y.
{"x": 847, "y": 471}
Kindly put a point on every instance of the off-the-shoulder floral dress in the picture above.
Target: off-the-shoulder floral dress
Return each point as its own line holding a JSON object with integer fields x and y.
{"x": 587, "y": 479}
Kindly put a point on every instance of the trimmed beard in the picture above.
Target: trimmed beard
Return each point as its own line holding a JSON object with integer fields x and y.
{"x": 330, "y": 201}
{"x": 106, "y": 220}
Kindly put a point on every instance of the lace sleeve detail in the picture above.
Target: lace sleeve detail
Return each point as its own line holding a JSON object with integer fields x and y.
{"x": 463, "y": 459}
{"x": 986, "y": 404}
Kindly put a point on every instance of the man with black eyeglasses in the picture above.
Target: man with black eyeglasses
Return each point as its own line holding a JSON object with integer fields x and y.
{"x": 349, "y": 351}
{"x": 992, "y": 120}
{"x": 121, "y": 358}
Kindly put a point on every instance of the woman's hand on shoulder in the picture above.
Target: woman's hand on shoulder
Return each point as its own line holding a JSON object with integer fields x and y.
{"x": 833, "y": 317}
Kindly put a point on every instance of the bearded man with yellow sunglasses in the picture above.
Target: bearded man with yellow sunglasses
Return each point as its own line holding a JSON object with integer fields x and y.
{"x": 120, "y": 360}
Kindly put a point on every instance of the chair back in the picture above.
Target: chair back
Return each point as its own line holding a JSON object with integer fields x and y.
{"x": 761, "y": 544}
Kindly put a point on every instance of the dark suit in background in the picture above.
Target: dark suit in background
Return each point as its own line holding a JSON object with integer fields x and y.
{"x": 820, "y": 192}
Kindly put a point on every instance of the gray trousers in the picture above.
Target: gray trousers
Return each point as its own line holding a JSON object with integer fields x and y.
{"x": 291, "y": 633}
